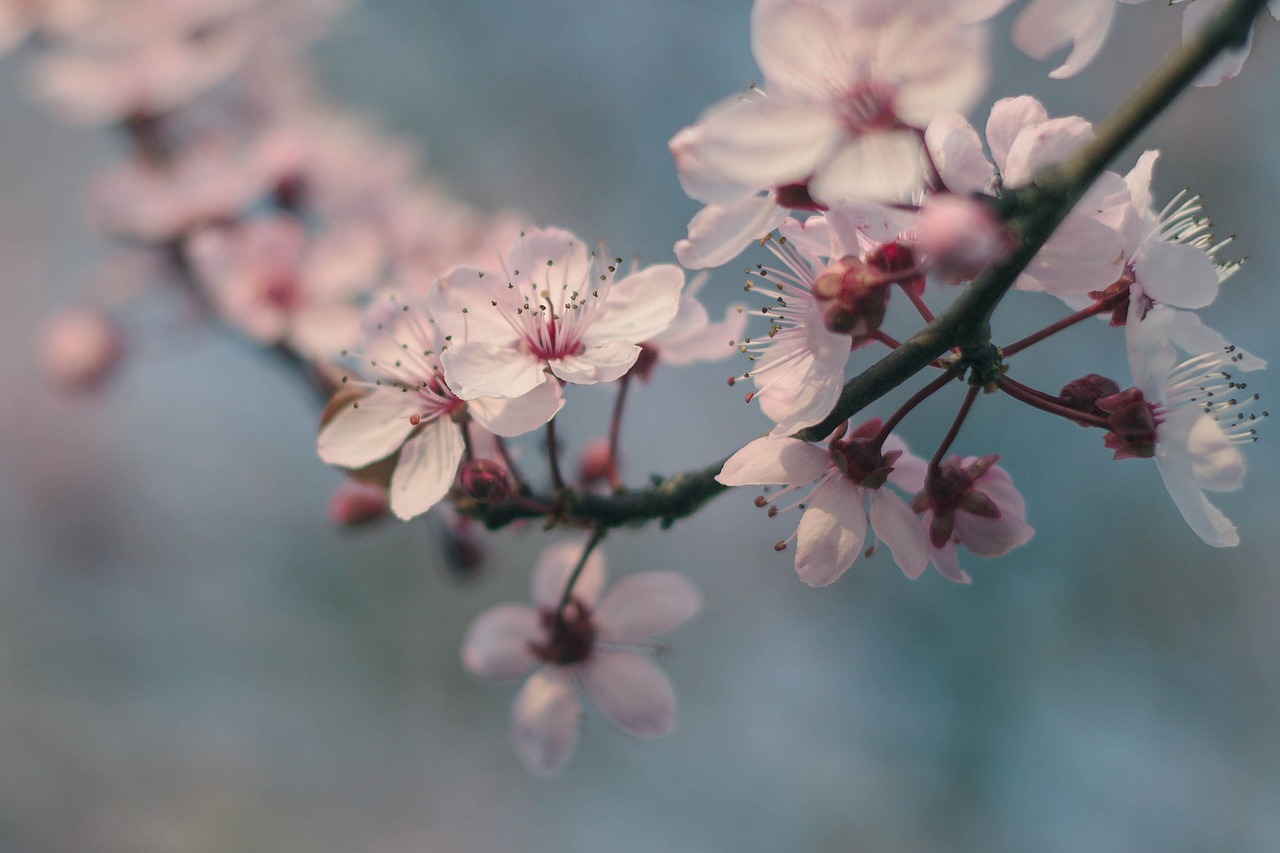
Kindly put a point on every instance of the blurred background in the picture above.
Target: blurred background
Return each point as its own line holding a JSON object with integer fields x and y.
{"x": 193, "y": 659}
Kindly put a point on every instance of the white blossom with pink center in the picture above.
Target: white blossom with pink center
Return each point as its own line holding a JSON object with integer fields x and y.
{"x": 411, "y": 412}
{"x": 594, "y": 646}
{"x": 970, "y": 502}
{"x": 550, "y": 312}
{"x": 848, "y": 478}
{"x": 1199, "y": 413}
{"x": 1085, "y": 253}
{"x": 848, "y": 90}
{"x": 279, "y": 284}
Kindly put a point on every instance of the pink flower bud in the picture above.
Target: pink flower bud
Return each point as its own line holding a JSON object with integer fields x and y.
{"x": 596, "y": 465}
{"x": 1084, "y": 393}
{"x": 484, "y": 480}
{"x": 960, "y": 236}
{"x": 80, "y": 349}
{"x": 354, "y": 504}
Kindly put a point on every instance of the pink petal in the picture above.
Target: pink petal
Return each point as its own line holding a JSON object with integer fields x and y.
{"x": 553, "y": 258}
{"x": 426, "y": 469}
{"x": 797, "y": 46}
{"x": 883, "y": 165}
{"x": 366, "y": 431}
{"x": 1042, "y": 145}
{"x": 1190, "y": 333}
{"x": 946, "y": 560}
{"x": 1229, "y": 62}
{"x": 720, "y": 232}
{"x": 831, "y": 533}
{"x": 942, "y": 67}
{"x": 645, "y": 605}
{"x": 698, "y": 181}
{"x": 518, "y": 415}
{"x": 1204, "y": 519}
{"x": 497, "y": 644}
{"x": 1138, "y": 179}
{"x": 1044, "y": 26}
{"x": 1216, "y": 463}
{"x": 775, "y": 461}
{"x": 1176, "y": 274}
{"x": 461, "y": 303}
{"x": 909, "y": 471}
{"x": 766, "y": 143}
{"x": 957, "y": 153}
{"x": 631, "y": 691}
{"x": 479, "y": 369}
{"x": 899, "y": 528}
{"x": 1009, "y": 117}
{"x": 556, "y": 565}
{"x": 603, "y": 362}
{"x": 544, "y": 721}
{"x": 1082, "y": 255}
{"x": 639, "y": 306}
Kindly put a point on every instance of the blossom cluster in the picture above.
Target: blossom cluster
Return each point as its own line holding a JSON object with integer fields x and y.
{"x": 435, "y": 335}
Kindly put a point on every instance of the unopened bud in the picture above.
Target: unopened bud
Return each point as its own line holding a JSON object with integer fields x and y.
{"x": 1084, "y": 393}
{"x": 80, "y": 349}
{"x": 959, "y": 236}
{"x": 484, "y": 481}
{"x": 354, "y": 503}
{"x": 596, "y": 464}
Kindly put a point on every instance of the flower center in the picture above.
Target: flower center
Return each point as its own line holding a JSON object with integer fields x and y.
{"x": 570, "y": 635}
{"x": 868, "y": 106}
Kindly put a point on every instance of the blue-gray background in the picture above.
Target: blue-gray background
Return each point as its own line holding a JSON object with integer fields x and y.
{"x": 192, "y": 659}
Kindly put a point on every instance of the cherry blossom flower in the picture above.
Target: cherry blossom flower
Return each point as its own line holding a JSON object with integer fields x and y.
{"x": 848, "y": 478}
{"x": 847, "y": 88}
{"x": 1085, "y": 253}
{"x": 551, "y": 313}
{"x": 410, "y": 412}
{"x": 1188, "y": 416}
{"x": 591, "y": 645}
{"x": 278, "y": 284}
{"x": 970, "y": 502}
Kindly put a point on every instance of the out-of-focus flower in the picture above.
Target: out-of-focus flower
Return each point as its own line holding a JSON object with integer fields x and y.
{"x": 354, "y": 503}
{"x": 80, "y": 349}
{"x": 848, "y": 478}
{"x": 593, "y": 643}
{"x": 410, "y": 412}
{"x": 550, "y": 312}
{"x": 277, "y": 284}
{"x": 971, "y": 502}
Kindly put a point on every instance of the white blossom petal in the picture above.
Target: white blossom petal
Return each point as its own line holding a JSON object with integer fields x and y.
{"x": 644, "y": 605}
{"x": 516, "y": 416}
{"x": 831, "y": 533}
{"x": 482, "y": 369}
{"x": 898, "y": 527}
{"x": 720, "y": 232}
{"x": 498, "y": 642}
{"x": 544, "y": 721}
{"x": 556, "y": 565}
{"x": 775, "y": 461}
{"x": 631, "y": 691}
{"x": 766, "y": 142}
{"x": 368, "y": 430}
{"x": 426, "y": 469}
{"x": 883, "y": 165}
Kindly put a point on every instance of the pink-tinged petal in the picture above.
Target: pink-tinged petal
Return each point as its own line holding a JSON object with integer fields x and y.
{"x": 631, "y": 691}
{"x": 998, "y": 485}
{"x": 323, "y": 331}
{"x": 1044, "y": 26}
{"x": 639, "y": 306}
{"x": 517, "y": 415}
{"x": 1009, "y": 117}
{"x": 461, "y": 304}
{"x": 1204, "y": 519}
{"x": 498, "y": 642}
{"x": 943, "y": 66}
{"x": 957, "y": 153}
{"x": 772, "y": 461}
{"x": 1229, "y": 62}
{"x": 899, "y": 528}
{"x": 1216, "y": 463}
{"x": 720, "y": 232}
{"x": 698, "y": 180}
{"x": 1081, "y": 256}
{"x": 426, "y": 469}
{"x": 798, "y": 45}
{"x": 1190, "y": 333}
{"x": 1138, "y": 179}
{"x": 646, "y": 605}
{"x": 603, "y": 362}
{"x": 1045, "y": 144}
{"x": 479, "y": 369}
{"x": 818, "y": 389}
{"x": 884, "y": 166}
{"x": 700, "y": 340}
{"x": 992, "y": 537}
{"x": 767, "y": 143}
{"x": 367, "y": 430}
{"x": 551, "y": 258}
{"x": 909, "y": 471}
{"x": 1176, "y": 274}
{"x": 946, "y": 559}
{"x": 544, "y": 721}
{"x": 556, "y": 565}
{"x": 813, "y": 235}
{"x": 831, "y": 533}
